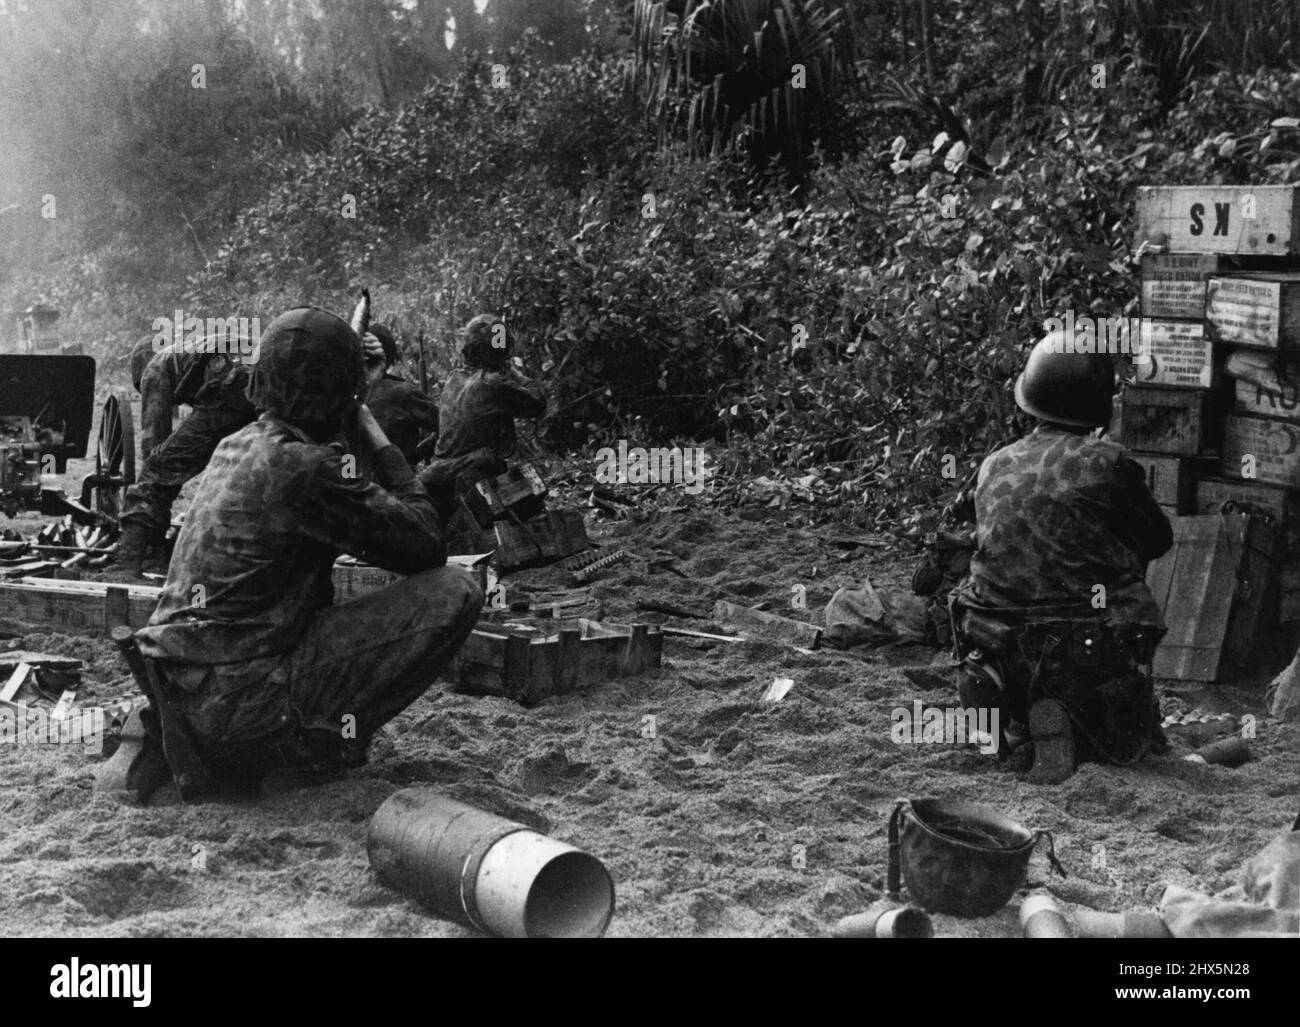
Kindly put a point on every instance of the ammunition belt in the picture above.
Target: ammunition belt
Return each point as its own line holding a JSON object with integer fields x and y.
{"x": 1088, "y": 643}
{"x": 1075, "y": 641}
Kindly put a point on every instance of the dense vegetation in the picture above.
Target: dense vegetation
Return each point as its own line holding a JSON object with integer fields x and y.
{"x": 835, "y": 287}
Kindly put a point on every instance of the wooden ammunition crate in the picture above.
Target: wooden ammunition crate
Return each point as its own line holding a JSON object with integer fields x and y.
{"x": 1213, "y": 219}
{"x": 1258, "y": 401}
{"x": 1176, "y": 422}
{"x": 528, "y": 665}
{"x": 1215, "y": 587}
{"x": 1280, "y": 502}
{"x": 545, "y": 539}
{"x": 1174, "y": 353}
{"x": 1172, "y": 479}
{"x": 520, "y": 491}
{"x": 1274, "y": 445}
{"x": 77, "y": 607}
{"x": 352, "y": 579}
{"x": 1173, "y": 284}
{"x": 1260, "y": 311}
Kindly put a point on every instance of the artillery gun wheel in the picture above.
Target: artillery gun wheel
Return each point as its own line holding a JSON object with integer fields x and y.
{"x": 114, "y": 456}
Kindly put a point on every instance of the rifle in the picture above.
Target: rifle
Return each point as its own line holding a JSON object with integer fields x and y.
{"x": 424, "y": 369}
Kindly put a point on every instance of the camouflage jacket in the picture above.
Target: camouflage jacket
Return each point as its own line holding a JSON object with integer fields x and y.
{"x": 1056, "y": 515}
{"x": 254, "y": 558}
{"x": 405, "y": 413}
{"x": 478, "y": 410}
{"x": 174, "y": 377}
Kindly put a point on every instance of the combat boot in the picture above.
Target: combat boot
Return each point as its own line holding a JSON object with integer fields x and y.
{"x": 132, "y": 546}
{"x": 1052, "y": 733}
{"x": 139, "y": 765}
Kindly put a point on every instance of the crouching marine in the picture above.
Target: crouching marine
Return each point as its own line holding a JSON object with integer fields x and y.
{"x": 251, "y": 666}
{"x": 1055, "y": 624}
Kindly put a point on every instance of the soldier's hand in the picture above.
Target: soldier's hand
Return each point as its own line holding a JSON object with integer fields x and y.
{"x": 372, "y": 347}
{"x": 376, "y": 365}
{"x": 368, "y": 428}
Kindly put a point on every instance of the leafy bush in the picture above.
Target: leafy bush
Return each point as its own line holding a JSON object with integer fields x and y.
{"x": 851, "y": 335}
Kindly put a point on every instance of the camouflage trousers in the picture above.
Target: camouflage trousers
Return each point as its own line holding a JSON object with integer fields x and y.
{"x": 357, "y": 666}
{"x": 1112, "y": 703}
{"x": 183, "y": 455}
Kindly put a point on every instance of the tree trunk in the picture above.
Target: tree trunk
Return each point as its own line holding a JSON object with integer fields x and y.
{"x": 377, "y": 51}
{"x": 902, "y": 26}
{"x": 927, "y": 36}
{"x": 1033, "y": 81}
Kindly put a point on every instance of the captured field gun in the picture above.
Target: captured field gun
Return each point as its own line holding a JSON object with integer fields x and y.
{"x": 46, "y": 414}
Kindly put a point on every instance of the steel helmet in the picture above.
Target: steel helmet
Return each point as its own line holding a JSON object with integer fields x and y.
{"x": 1062, "y": 385}
{"x": 308, "y": 368}
{"x": 141, "y": 353}
{"x": 959, "y": 858}
{"x": 478, "y": 338}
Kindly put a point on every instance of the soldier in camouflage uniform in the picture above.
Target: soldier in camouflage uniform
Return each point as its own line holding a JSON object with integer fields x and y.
{"x": 409, "y": 417}
{"x": 1055, "y": 622}
{"x": 266, "y": 671}
{"x": 213, "y": 384}
{"x": 477, "y": 411}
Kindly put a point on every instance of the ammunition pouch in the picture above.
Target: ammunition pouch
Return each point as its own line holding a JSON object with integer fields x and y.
{"x": 984, "y": 631}
{"x": 1088, "y": 644}
{"x": 1080, "y": 641}
{"x": 1093, "y": 667}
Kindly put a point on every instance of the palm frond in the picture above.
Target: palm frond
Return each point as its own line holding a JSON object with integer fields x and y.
{"x": 729, "y": 67}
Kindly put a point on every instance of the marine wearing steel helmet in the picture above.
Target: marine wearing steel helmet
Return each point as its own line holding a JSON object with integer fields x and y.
{"x": 309, "y": 369}
{"x": 476, "y": 411}
{"x": 213, "y": 385}
{"x": 1055, "y": 622}
{"x": 407, "y": 415}
{"x": 261, "y": 667}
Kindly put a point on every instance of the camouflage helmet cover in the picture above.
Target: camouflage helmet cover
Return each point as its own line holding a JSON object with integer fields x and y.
{"x": 477, "y": 340}
{"x": 141, "y": 353}
{"x": 308, "y": 368}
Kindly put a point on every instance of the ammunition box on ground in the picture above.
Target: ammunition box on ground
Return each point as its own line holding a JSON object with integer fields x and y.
{"x": 520, "y": 491}
{"x": 528, "y": 665}
{"x": 545, "y": 539}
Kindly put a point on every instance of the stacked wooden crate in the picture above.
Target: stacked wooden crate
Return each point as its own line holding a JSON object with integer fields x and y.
{"x": 1214, "y": 416}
